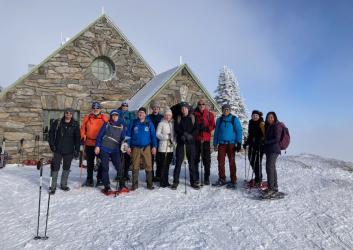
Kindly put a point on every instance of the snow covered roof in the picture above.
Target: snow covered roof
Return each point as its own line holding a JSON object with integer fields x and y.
{"x": 153, "y": 87}
{"x": 150, "y": 89}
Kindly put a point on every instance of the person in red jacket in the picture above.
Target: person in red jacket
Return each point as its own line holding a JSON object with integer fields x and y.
{"x": 206, "y": 123}
{"x": 90, "y": 127}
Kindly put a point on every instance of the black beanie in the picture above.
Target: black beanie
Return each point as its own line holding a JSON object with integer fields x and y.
{"x": 256, "y": 112}
{"x": 142, "y": 109}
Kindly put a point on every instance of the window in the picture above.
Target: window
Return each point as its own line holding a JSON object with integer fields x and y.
{"x": 103, "y": 68}
{"x": 49, "y": 116}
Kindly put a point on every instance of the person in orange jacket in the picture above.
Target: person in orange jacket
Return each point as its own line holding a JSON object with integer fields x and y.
{"x": 90, "y": 127}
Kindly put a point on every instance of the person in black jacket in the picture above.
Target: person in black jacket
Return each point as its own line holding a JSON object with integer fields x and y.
{"x": 255, "y": 141}
{"x": 64, "y": 142}
{"x": 155, "y": 118}
{"x": 186, "y": 129}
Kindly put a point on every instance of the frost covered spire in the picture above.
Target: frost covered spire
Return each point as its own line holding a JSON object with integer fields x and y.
{"x": 228, "y": 92}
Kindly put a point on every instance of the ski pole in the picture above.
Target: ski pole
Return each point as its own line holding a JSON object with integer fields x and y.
{"x": 45, "y": 237}
{"x": 201, "y": 156}
{"x": 40, "y": 168}
{"x": 185, "y": 162}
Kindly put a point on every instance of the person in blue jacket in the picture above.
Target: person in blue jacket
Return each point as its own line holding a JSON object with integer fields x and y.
{"x": 108, "y": 144}
{"x": 227, "y": 139}
{"x": 142, "y": 142}
{"x": 127, "y": 117}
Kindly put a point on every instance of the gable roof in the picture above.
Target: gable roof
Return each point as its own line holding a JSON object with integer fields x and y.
{"x": 151, "y": 89}
{"x": 5, "y": 90}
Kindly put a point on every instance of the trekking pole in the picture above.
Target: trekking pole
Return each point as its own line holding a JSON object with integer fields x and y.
{"x": 201, "y": 156}
{"x": 251, "y": 155}
{"x": 245, "y": 177}
{"x": 80, "y": 163}
{"x": 20, "y": 151}
{"x": 120, "y": 172}
{"x": 185, "y": 163}
{"x": 45, "y": 237}
{"x": 40, "y": 168}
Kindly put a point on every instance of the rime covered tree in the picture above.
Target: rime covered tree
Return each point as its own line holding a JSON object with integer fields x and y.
{"x": 228, "y": 92}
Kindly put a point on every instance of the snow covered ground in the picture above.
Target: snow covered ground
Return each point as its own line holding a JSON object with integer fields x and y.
{"x": 316, "y": 214}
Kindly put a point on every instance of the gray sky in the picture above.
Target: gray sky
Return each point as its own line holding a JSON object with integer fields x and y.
{"x": 293, "y": 57}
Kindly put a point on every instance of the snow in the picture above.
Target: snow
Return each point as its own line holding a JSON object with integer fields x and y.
{"x": 316, "y": 214}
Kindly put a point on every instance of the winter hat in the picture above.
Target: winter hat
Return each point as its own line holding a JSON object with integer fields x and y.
{"x": 225, "y": 106}
{"x": 168, "y": 111}
{"x": 184, "y": 104}
{"x": 96, "y": 105}
{"x": 69, "y": 110}
{"x": 142, "y": 109}
{"x": 124, "y": 103}
{"x": 256, "y": 112}
{"x": 114, "y": 112}
{"x": 155, "y": 104}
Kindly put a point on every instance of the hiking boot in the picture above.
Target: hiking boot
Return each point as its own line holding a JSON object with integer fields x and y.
{"x": 195, "y": 185}
{"x": 65, "y": 188}
{"x": 89, "y": 183}
{"x": 206, "y": 182}
{"x": 99, "y": 183}
{"x": 269, "y": 194}
{"x": 52, "y": 191}
{"x": 156, "y": 179}
{"x": 231, "y": 185}
{"x": 149, "y": 175}
{"x": 174, "y": 186}
{"x": 106, "y": 189}
{"x": 219, "y": 183}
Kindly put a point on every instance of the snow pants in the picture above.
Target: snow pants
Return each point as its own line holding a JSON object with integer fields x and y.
{"x": 190, "y": 155}
{"x": 203, "y": 150}
{"x": 223, "y": 151}
{"x": 90, "y": 156}
{"x": 255, "y": 157}
{"x": 67, "y": 158}
{"x": 164, "y": 160}
{"x": 115, "y": 157}
{"x": 271, "y": 171}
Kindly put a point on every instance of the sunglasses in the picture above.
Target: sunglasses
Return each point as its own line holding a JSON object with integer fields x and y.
{"x": 68, "y": 113}
{"x": 201, "y": 104}
{"x": 124, "y": 105}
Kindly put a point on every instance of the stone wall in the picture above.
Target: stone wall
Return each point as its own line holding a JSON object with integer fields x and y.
{"x": 66, "y": 80}
{"x": 172, "y": 95}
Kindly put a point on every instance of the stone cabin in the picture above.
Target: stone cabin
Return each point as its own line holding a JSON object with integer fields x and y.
{"x": 98, "y": 64}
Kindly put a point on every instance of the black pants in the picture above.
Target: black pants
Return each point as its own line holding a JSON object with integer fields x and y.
{"x": 127, "y": 163}
{"x": 205, "y": 153}
{"x": 190, "y": 155}
{"x": 255, "y": 157}
{"x": 67, "y": 158}
{"x": 163, "y": 161}
{"x": 90, "y": 156}
{"x": 271, "y": 171}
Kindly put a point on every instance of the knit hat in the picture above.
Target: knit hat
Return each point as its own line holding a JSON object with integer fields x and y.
{"x": 142, "y": 109}
{"x": 69, "y": 110}
{"x": 96, "y": 105}
{"x": 184, "y": 104}
{"x": 168, "y": 111}
{"x": 155, "y": 104}
{"x": 256, "y": 112}
{"x": 124, "y": 103}
{"x": 114, "y": 112}
{"x": 225, "y": 106}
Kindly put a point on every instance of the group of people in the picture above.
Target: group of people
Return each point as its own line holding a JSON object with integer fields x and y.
{"x": 130, "y": 141}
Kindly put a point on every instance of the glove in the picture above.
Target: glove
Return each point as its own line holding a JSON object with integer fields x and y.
{"x": 245, "y": 146}
{"x": 52, "y": 148}
{"x": 238, "y": 147}
{"x": 215, "y": 147}
{"x": 188, "y": 137}
{"x": 183, "y": 138}
{"x": 76, "y": 154}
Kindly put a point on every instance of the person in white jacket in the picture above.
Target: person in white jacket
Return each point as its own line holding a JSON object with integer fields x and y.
{"x": 165, "y": 134}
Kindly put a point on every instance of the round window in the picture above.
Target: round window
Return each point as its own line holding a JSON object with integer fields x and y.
{"x": 103, "y": 68}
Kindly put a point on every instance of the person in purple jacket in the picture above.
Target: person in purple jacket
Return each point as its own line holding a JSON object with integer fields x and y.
{"x": 272, "y": 150}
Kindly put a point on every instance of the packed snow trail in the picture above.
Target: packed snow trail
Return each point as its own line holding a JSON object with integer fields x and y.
{"x": 316, "y": 214}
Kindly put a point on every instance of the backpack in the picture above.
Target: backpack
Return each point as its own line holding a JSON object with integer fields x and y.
{"x": 285, "y": 137}
{"x": 232, "y": 122}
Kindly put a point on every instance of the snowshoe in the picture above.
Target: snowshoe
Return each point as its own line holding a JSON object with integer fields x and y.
{"x": 123, "y": 190}
{"x": 88, "y": 183}
{"x": 52, "y": 191}
{"x": 231, "y": 185}
{"x": 272, "y": 195}
{"x": 109, "y": 192}
{"x": 99, "y": 183}
{"x": 219, "y": 183}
